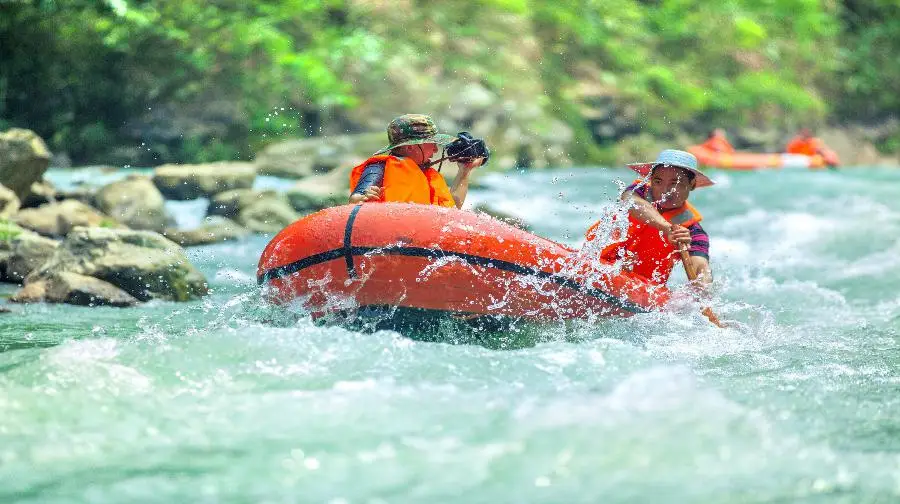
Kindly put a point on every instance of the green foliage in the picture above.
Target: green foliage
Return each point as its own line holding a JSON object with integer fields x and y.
{"x": 519, "y": 7}
{"x": 889, "y": 144}
{"x": 869, "y": 77}
{"x": 750, "y": 34}
{"x": 200, "y": 81}
{"x": 8, "y": 230}
{"x": 104, "y": 64}
{"x": 730, "y": 63}
{"x": 195, "y": 150}
{"x": 107, "y": 222}
{"x": 760, "y": 96}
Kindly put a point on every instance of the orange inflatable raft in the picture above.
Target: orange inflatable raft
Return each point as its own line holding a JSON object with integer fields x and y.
{"x": 754, "y": 161}
{"x": 425, "y": 258}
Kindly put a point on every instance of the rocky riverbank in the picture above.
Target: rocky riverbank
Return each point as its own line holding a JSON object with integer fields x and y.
{"x": 93, "y": 247}
{"x": 116, "y": 245}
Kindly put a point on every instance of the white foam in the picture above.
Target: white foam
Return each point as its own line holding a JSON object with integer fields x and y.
{"x": 90, "y": 365}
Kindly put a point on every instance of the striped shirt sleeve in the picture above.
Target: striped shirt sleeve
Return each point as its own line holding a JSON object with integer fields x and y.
{"x": 699, "y": 241}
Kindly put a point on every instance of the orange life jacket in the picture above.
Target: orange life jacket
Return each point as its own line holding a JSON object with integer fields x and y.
{"x": 645, "y": 250}
{"x": 718, "y": 144}
{"x": 404, "y": 181}
{"x": 808, "y": 146}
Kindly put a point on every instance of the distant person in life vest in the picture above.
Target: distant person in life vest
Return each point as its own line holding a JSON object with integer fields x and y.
{"x": 402, "y": 172}
{"x": 805, "y": 143}
{"x": 717, "y": 141}
{"x": 661, "y": 221}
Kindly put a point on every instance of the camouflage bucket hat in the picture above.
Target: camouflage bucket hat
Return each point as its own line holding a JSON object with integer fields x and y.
{"x": 412, "y": 129}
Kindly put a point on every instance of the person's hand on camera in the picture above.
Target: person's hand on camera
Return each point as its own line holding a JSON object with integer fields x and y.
{"x": 470, "y": 164}
{"x": 469, "y": 152}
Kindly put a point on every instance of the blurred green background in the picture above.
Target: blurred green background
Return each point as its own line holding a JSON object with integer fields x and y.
{"x": 147, "y": 82}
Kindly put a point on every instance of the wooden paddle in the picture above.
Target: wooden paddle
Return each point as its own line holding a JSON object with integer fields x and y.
{"x": 692, "y": 275}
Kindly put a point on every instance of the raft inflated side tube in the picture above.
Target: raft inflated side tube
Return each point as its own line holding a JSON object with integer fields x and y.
{"x": 753, "y": 161}
{"x": 435, "y": 258}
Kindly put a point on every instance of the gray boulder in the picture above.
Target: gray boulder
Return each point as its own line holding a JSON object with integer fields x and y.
{"x": 321, "y": 191}
{"x": 185, "y": 182}
{"x": 84, "y": 194}
{"x": 75, "y": 289}
{"x": 310, "y": 156}
{"x": 135, "y": 202}
{"x": 267, "y": 216}
{"x": 258, "y": 211}
{"x": 315, "y": 196}
{"x": 144, "y": 264}
{"x": 9, "y": 202}
{"x": 855, "y": 145}
{"x": 4, "y": 260}
{"x": 40, "y": 193}
{"x": 27, "y": 252}
{"x": 230, "y": 204}
{"x": 24, "y": 158}
{"x": 8, "y": 232}
{"x": 57, "y": 219}
{"x": 472, "y": 101}
{"x": 214, "y": 230}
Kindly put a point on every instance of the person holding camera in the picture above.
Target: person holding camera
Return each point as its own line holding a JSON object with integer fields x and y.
{"x": 402, "y": 171}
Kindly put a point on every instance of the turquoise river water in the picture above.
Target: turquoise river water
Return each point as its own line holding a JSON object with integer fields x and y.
{"x": 206, "y": 402}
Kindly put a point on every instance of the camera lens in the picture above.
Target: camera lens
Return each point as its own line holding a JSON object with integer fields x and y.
{"x": 467, "y": 148}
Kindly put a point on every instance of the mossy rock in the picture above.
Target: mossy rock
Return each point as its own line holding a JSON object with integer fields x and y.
{"x": 144, "y": 264}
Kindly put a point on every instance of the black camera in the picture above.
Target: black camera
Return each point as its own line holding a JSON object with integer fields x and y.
{"x": 467, "y": 148}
